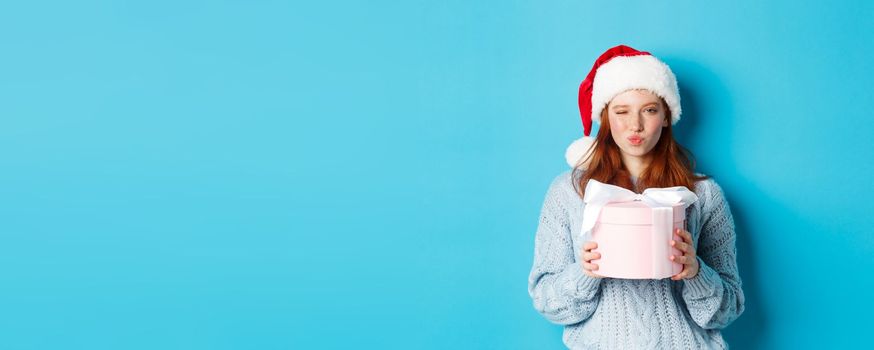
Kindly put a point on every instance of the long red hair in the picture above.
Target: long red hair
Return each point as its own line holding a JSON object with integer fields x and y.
{"x": 671, "y": 164}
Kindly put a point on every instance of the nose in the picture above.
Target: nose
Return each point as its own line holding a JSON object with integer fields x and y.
{"x": 636, "y": 123}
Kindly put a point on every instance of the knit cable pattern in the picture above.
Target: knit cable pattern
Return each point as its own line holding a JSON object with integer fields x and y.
{"x": 613, "y": 313}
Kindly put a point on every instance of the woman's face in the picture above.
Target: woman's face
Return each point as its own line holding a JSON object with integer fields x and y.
{"x": 636, "y": 121}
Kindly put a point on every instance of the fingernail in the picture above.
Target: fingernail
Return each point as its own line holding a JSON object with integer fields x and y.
{"x": 673, "y": 242}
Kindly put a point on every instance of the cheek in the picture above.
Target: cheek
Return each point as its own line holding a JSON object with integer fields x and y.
{"x": 616, "y": 123}
{"x": 616, "y": 130}
{"x": 654, "y": 139}
{"x": 654, "y": 132}
{"x": 655, "y": 127}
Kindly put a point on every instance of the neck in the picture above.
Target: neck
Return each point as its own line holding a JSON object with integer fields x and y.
{"x": 635, "y": 165}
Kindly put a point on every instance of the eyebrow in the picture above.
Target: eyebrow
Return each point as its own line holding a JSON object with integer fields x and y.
{"x": 651, "y": 103}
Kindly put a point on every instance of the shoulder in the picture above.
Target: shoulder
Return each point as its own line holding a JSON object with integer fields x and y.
{"x": 709, "y": 192}
{"x": 562, "y": 178}
{"x": 707, "y": 186}
{"x": 562, "y": 185}
{"x": 564, "y": 181}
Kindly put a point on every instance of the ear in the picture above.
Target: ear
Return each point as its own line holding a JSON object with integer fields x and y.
{"x": 665, "y": 122}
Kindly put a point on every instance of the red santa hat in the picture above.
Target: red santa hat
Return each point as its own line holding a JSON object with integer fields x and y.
{"x": 617, "y": 70}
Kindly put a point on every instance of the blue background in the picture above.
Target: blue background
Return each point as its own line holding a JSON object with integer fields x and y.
{"x": 272, "y": 175}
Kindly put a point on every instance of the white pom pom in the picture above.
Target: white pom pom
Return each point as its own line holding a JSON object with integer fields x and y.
{"x": 578, "y": 150}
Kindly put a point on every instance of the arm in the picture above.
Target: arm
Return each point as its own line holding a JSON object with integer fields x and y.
{"x": 714, "y": 296}
{"x": 560, "y": 290}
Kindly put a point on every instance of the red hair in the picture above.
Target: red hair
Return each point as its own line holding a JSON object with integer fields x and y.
{"x": 671, "y": 164}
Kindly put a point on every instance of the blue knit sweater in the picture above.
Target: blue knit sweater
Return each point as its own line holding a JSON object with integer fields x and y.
{"x": 608, "y": 313}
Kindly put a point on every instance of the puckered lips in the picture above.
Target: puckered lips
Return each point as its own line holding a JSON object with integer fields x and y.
{"x": 635, "y": 140}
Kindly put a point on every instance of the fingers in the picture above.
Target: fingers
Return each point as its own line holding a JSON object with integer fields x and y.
{"x": 683, "y": 259}
{"x": 588, "y": 254}
{"x": 688, "y": 272}
{"x": 587, "y": 257}
{"x": 683, "y": 274}
{"x": 588, "y": 269}
{"x": 685, "y": 235}
{"x": 683, "y": 247}
{"x": 688, "y": 259}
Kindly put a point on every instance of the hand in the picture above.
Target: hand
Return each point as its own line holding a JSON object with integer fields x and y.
{"x": 688, "y": 259}
{"x": 588, "y": 255}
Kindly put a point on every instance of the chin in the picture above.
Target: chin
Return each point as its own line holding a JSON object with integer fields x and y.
{"x": 634, "y": 151}
{"x": 637, "y": 151}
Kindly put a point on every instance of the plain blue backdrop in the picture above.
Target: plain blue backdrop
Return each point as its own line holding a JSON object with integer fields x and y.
{"x": 368, "y": 174}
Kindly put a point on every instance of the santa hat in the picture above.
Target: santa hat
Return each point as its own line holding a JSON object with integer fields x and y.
{"x": 617, "y": 70}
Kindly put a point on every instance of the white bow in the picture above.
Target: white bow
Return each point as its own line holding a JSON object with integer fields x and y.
{"x": 600, "y": 194}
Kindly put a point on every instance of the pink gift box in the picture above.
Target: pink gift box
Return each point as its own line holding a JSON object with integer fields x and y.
{"x": 635, "y": 240}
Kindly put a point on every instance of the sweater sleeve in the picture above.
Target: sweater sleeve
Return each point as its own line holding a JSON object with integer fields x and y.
{"x": 560, "y": 290}
{"x": 714, "y": 296}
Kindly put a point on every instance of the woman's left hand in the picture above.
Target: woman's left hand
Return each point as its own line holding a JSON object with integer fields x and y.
{"x": 688, "y": 259}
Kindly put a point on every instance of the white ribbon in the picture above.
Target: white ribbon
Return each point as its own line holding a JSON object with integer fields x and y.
{"x": 661, "y": 200}
{"x": 600, "y": 194}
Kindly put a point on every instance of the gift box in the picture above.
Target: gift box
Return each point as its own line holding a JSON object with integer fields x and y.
{"x": 635, "y": 240}
{"x": 634, "y": 231}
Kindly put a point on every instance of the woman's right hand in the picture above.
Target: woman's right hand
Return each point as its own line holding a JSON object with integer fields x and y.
{"x": 588, "y": 255}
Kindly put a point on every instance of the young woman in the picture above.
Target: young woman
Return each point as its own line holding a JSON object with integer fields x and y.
{"x": 635, "y": 99}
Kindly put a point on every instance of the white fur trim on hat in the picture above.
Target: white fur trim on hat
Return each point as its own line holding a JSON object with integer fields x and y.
{"x": 624, "y": 73}
{"x": 578, "y": 151}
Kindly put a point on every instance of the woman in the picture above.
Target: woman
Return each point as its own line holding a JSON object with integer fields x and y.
{"x": 636, "y": 98}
